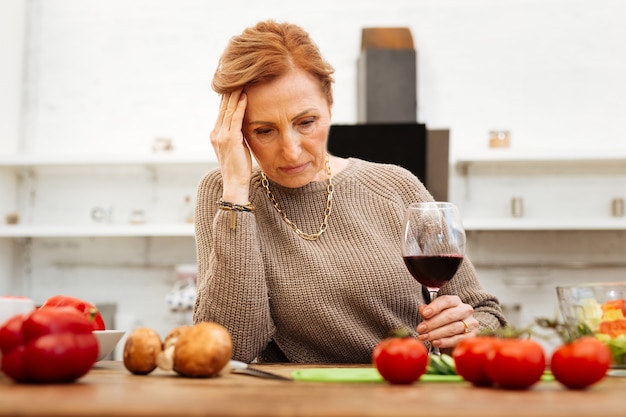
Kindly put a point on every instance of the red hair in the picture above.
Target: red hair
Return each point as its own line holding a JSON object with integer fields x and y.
{"x": 267, "y": 51}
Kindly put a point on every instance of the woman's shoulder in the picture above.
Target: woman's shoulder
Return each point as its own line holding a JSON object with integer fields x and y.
{"x": 386, "y": 180}
{"x": 382, "y": 173}
{"x": 214, "y": 175}
{"x": 211, "y": 183}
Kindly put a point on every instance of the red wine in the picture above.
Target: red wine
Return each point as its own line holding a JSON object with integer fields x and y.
{"x": 433, "y": 271}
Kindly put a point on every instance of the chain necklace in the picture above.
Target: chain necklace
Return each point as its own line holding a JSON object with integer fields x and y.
{"x": 329, "y": 205}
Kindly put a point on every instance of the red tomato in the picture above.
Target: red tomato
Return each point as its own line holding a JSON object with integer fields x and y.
{"x": 470, "y": 359}
{"x": 89, "y": 310}
{"x": 515, "y": 363}
{"x": 581, "y": 363}
{"x": 400, "y": 360}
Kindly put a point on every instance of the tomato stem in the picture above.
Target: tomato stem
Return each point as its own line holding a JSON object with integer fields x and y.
{"x": 399, "y": 332}
{"x": 508, "y": 332}
{"x": 566, "y": 331}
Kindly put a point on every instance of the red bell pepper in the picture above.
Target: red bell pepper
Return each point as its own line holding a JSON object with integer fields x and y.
{"x": 52, "y": 345}
{"x": 613, "y": 321}
{"x": 89, "y": 310}
{"x": 613, "y": 328}
{"x": 619, "y": 304}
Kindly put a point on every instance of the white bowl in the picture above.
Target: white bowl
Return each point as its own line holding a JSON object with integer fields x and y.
{"x": 107, "y": 340}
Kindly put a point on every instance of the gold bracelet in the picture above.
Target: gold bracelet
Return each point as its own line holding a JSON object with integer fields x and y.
{"x": 227, "y": 205}
{"x": 234, "y": 208}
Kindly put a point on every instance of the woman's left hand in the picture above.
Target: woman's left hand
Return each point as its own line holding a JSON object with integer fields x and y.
{"x": 446, "y": 321}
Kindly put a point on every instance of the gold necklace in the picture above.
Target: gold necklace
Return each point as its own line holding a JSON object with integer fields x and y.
{"x": 329, "y": 205}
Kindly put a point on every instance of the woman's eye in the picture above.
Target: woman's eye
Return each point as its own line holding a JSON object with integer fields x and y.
{"x": 307, "y": 123}
{"x": 263, "y": 132}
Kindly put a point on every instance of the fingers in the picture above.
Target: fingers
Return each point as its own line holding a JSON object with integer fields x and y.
{"x": 220, "y": 114}
{"x": 231, "y": 108}
{"x": 236, "y": 121}
{"x": 230, "y": 148}
{"x": 231, "y": 113}
{"x": 449, "y": 335}
{"x": 439, "y": 305}
{"x": 446, "y": 321}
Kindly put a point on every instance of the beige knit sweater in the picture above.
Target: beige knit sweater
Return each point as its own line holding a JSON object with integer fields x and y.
{"x": 284, "y": 298}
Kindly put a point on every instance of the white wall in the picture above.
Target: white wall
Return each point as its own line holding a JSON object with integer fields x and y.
{"x": 117, "y": 74}
{"x": 12, "y": 51}
{"x": 110, "y": 77}
{"x": 12, "y": 30}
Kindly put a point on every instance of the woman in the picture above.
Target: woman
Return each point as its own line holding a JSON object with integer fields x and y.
{"x": 299, "y": 258}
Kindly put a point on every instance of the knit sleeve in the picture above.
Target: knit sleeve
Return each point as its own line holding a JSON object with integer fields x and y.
{"x": 486, "y": 306}
{"x": 232, "y": 288}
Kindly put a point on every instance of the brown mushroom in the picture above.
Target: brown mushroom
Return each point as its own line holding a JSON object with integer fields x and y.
{"x": 141, "y": 349}
{"x": 203, "y": 350}
{"x": 165, "y": 358}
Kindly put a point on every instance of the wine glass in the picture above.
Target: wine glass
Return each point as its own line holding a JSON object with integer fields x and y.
{"x": 433, "y": 244}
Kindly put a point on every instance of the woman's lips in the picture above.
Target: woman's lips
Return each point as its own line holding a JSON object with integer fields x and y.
{"x": 294, "y": 169}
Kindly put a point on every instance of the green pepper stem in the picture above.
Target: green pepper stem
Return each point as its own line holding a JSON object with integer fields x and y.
{"x": 93, "y": 312}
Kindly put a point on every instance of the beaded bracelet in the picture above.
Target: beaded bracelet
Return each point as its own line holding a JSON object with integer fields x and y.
{"x": 234, "y": 208}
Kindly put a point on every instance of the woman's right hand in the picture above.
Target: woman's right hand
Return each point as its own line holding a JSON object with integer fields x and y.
{"x": 231, "y": 149}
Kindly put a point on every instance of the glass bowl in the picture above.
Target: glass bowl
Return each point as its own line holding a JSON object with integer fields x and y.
{"x": 602, "y": 307}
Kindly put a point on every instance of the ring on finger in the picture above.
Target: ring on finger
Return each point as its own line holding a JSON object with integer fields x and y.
{"x": 466, "y": 328}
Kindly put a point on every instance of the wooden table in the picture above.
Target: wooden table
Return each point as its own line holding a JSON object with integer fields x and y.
{"x": 110, "y": 390}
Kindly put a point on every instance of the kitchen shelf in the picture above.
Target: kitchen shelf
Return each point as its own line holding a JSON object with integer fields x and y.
{"x": 187, "y": 230}
{"x": 162, "y": 158}
{"x": 519, "y": 173}
{"x": 545, "y": 224}
{"x": 509, "y": 158}
{"x": 84, "y": 162}
{"x": 101, "y": 230}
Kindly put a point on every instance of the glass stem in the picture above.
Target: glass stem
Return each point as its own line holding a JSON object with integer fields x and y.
{"x": 433, "y": 349}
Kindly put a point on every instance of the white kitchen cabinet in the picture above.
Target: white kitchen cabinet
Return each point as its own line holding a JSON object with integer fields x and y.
{"x": 558, "y": 191}
{"x": 55, "y": 197}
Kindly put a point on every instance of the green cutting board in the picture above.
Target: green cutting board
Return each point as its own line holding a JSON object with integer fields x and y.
{"x": 370, "y": 375}
{"x": 358, "y": 375}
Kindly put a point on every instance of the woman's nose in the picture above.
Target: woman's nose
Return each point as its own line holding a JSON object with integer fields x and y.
{"x": 291, "y": 148}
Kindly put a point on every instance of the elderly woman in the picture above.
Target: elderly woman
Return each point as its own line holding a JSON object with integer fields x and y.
{"x": 299, "y": 255}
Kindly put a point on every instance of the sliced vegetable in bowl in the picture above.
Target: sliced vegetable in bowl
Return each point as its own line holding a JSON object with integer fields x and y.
{"x": 602, "y": 307}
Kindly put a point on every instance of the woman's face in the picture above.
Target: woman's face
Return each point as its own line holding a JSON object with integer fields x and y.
{"x": 286, "y": 125}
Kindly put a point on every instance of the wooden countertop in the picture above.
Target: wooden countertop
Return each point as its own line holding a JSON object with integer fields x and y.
{"x": 110, "y": 390}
